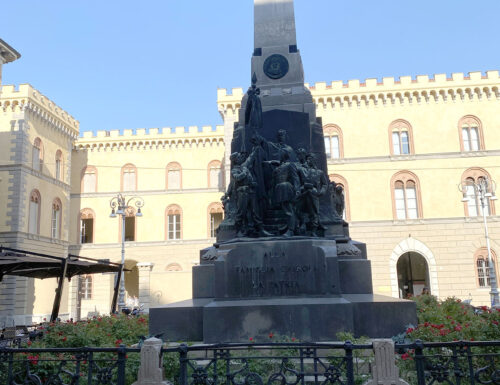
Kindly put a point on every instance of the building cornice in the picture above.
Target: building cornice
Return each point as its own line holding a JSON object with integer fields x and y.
{"x": 110, "y": 194}
{"x": 423, "y": 221}
{"x": 7, "y": 53}
{"x": 29, "y": 170}
{"x": 180, "y": 242}
{"x": 412, "y": 157}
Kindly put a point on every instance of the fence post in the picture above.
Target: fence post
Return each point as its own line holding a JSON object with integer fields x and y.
{"x": 151, "y": 370}
{"x": 183, "y": 362}
{"x": 121, "y": 365}
{"x": 385, "y": 371}
{"x": 419, "y": 362}
{"x": 349, "y": 362}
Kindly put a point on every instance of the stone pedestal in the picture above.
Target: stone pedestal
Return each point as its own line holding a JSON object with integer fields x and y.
{"x": 308, "y": 288}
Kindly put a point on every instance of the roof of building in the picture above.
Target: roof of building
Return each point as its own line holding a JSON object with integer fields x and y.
{"x": 8, "y": 53}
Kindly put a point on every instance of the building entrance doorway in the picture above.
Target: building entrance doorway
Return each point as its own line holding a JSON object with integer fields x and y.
{"x": 413, "y": 275}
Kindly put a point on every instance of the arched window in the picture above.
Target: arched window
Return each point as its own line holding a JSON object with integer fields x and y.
{"x": 334, "y": 144}
{"x": 174, "y": 176}
{"x": 37, "y": 155}
{"x": 472, "y": 206}
{"x": 89, "y": 179}
{"x": 173, "y": 267}
{"x": 173, "y": 218}
{"x": 470, "y": 133}
{"x": 87, "y": 217}
{"x": 215, "y": 217}
{"x": 483, "y": 266}
{"x": 130, "y": 225}
{"x": 56, "y": 219}
{"x": 59, "y": 166}
{"x": 129, "y": 177}
{"x": 340, "y": 180}
{"x": 401, "y": 137}
{"x": 34, "y": 212}
{"x": 215, "y": 174}
{"x": 406, "y": 201}
{"x": 86, "y": 286}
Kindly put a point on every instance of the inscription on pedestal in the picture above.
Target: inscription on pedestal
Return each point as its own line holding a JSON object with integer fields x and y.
{"x": 280, "y": 272}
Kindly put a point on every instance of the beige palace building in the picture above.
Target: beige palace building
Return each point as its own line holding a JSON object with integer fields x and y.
{"x": 400, "y": 147}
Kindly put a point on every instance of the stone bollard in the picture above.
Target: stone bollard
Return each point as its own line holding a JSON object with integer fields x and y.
{"x": 151, "y": 370}
{"x": 385, "y": 371}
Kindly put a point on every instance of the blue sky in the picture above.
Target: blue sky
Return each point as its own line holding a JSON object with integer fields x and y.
{"x": 117, "y": 64}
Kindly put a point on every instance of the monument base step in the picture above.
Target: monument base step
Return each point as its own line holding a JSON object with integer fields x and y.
{"x": 305, "y": 318}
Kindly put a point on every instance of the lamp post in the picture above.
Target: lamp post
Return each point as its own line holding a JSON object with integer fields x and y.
{"x": 119, "y": 204}
{"x": 484, "y": 189}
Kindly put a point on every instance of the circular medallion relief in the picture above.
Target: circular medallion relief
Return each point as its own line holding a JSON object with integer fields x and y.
{"x": 276, "y": 66}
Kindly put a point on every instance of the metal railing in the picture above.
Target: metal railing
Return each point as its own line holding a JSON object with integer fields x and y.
{"x": 448, "y": 363}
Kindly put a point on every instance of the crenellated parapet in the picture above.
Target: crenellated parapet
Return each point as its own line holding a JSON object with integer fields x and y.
{"x": 28, "y": 99}
{"x": 228, "y": 103}
{"x": 390, "y": 91}
{"x": 152, "y": 138}
{"x": 407, "y": 90}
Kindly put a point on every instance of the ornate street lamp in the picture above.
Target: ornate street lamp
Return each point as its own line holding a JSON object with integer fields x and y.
{"x": 484, "y": 189}
{"x": 119, "y": 204}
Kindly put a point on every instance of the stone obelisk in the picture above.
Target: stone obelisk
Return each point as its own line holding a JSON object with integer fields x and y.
{"x": 276, "y": 60}
{"x": 287, "y": 104}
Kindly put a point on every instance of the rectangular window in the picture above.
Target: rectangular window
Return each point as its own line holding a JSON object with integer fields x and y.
{"x": 58, "y": 169}
{"x": 86, "y": 230}
{"x": 405, "y": 145}
{"x": 36, "y": 159}
{"x": 395, "y": 143}
{"x": 474, "y": 139}
{"x": 472, "y": 202}
{"x": 129, "y": 180}
{"x": 129, "y": 229}
{"x": 411, "y": 201}
{"x": 33, "y": 219}
{"x": 86, "y": 287}
{"x": 56, "y": 223}
{"x": 174, "y": 179}
{"x": 174, "y": 226}
{"x": 335, "y": 147}
{"x": 89, "y": 182}
{"x": 465, "y": 139}
{"x": 215, "y": 177}
{"x": 399, "y": 196}
{"x": 215, "y": 221}
{"x": 328, "y": 149}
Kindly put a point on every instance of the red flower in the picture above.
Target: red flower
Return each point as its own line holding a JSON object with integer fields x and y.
{"x": 458, "y": 328}
{"x": 405, "y": 357}
{"x": 443, "y": 332}
{"x": 426, "y": 324}
{"x": 271, "y": 335}
{"x": 293, "y": 339}
{"x": 409, "y": 330}
{"x": 251, "y": 338}
{"x": 64, "y": 339}
{"x": 495, "y": 322}
{"x": 484, "y": 308}
{"x": 118, "y": 342}
{"x": 45, "y": 319}
{"x": 33, "y": 359}
{"x": 29, "y": 343}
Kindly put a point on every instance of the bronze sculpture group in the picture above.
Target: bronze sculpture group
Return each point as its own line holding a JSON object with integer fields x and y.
{"x": 275, "y": 190}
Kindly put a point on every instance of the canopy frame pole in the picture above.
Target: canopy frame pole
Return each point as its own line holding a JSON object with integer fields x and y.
{"x": 117, "y": 289}
{"x": 60, "y": 286}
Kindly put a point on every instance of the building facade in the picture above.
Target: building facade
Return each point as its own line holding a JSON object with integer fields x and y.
{"x": 399, "y": 147}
